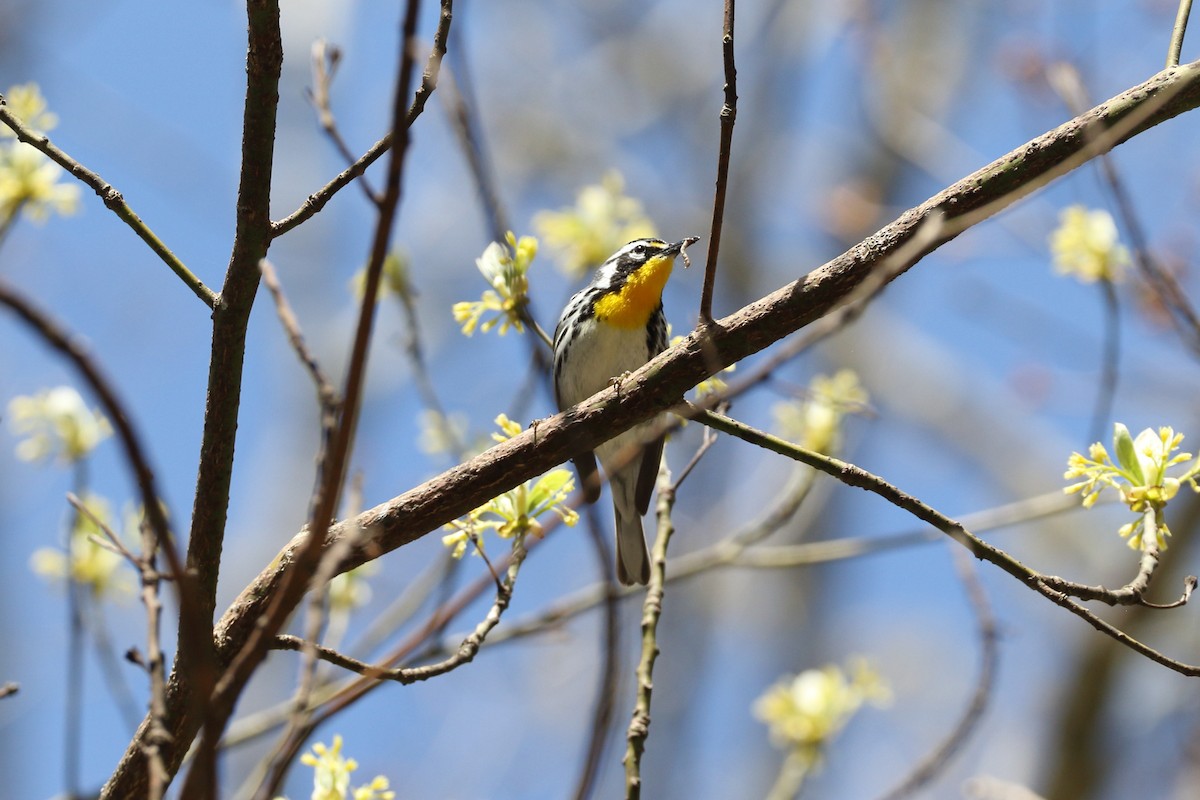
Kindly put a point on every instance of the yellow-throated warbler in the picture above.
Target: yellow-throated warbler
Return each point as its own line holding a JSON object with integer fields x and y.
{"x": 611, "y": 327}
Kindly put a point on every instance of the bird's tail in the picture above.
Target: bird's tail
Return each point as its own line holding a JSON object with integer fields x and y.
{"x": 633, "y": 561}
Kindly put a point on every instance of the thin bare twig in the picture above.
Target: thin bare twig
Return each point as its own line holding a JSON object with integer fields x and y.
{"x": 317, "y": 200}
{"x": 989, "y": 657}
{"x": 93, "y": 615}
{"x": 325, "y": 58}
{"x": 333, "y": 464}
{"x": 1177, "y": 31}
{"x": 112, "y": 199}
{"x": 464, "y": 655}
{"x": 639, "y": 723}
{"x": 728, "y": 117}
{"x": 326, "y": 395}
{"x": 1057, "y": 590}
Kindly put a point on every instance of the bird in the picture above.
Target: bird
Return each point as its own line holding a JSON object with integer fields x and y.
{"x": 608, "y": 329}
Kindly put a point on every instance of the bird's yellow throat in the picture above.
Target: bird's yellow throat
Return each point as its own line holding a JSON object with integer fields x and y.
{"x": 632, "y": 306}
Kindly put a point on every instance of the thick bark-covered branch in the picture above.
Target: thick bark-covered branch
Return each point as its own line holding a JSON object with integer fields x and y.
{"x": 663, "y": 382}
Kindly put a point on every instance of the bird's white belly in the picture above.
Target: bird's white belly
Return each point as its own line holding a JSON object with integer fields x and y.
{"x": 609, "y": 356}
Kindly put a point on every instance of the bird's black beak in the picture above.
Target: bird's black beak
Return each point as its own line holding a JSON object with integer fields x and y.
{"x": 680, "y": 248}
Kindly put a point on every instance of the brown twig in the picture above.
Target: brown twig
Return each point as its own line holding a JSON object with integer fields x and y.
{"x": 1056, "y": 589}
{"x": 214, "y": 475}
{"x": 327, "y": 398}
{"x": 325, "y": 60}
{"x": 989, "y": 656}
{"x": 113, "y": 200}
{"x": 728, "y": 117}
{"x": 317, "y": 200}
{"x": 464, "y": 655}
{"x": 94, "y": 622}
{"x": 639, "y": 722}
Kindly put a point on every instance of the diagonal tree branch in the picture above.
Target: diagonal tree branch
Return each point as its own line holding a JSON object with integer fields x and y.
{"x": 662, "y": 383}
{"x": 113, "y": 199}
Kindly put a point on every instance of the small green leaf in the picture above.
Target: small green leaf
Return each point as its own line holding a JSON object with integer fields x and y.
{"x": 1127, "y": 454}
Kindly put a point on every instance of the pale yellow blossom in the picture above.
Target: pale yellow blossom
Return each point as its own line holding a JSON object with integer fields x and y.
{"x": 29, "y": 184}
{"x": 57, "y": 424}
{"x": 505, "y": 267}
{"x": 1139, "y": 475}
{"x": 603, "y": 219}
{"x": 803, "y": 712}
{"x": 1086, "y": 244}
{"x": 90, "y": 563}
{"x": 26, "y": 103}
{"x": 814, "y": 421}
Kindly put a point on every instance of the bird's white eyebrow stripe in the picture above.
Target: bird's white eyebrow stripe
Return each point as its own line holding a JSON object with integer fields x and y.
{"x": 656, "y": 244}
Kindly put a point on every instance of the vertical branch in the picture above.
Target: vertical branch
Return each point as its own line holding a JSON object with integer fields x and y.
{"x": 335, "y": 457}
{"x": 264, "y": 61}
{"x": 639, "y": 724}
{"x": 73, "y": 733}
{"x": 728, "y": 116}
{"x": 1110, "y": 362}
{"x": 181, "y": 713}
{"x": 1181, "y": 21}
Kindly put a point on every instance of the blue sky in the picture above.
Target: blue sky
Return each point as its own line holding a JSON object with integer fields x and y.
{"x": 981, "y": 362}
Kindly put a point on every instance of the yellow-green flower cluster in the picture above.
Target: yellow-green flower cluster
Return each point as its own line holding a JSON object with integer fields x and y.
{"x": 28, "y": 179}
{"x": 58, "y": 424}
{"x": 505, "y": 268}
{"x": 393, "y": 280}
{"x": 90, "y": 564}
{"x": 1139, "y": 475}
{"x": 1086, "y": 244}
{"x": 350, "y": 590}
{"x": 514, "y": 513}
{"x": 331, "y": 775}
{"x": 803, "y": 712}
{"x": 601, "y": 221}
{"x": 815, "y": 421}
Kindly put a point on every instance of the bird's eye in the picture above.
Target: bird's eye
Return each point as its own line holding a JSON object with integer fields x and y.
{"x": 640, "y": 251}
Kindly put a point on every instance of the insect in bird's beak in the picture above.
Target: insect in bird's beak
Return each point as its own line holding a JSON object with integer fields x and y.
{"x": 683, "y": 245}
